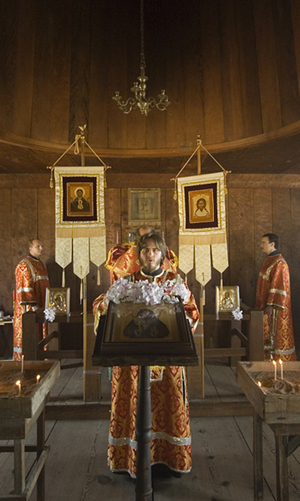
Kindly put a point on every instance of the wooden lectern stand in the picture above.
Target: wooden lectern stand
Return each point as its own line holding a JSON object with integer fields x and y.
{"x": 111, "y": 349}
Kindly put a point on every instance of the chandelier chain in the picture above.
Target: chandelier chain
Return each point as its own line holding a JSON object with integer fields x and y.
{"x": 143, "y": 60}
{"x": 139, "y": 88}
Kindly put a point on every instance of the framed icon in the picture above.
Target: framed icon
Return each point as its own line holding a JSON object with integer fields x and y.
{"x": 144, "y": 206}
{"x": 79, "y": 198}
{"x": 58, "y": 299}
{"x": 140, "y": 334}
{"x": 227, "y": 298}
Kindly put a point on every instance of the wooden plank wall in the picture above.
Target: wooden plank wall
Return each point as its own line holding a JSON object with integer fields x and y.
{"x": 231, "y": 70}
{"x": 256, "y": 204}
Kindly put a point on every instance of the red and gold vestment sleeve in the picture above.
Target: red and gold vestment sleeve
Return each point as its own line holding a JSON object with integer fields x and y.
{"x": 170, "y": 261}
{"x": 24, "y": 283}
{"x": 122, "y": 260}
{"x": 273, "y": 286}
{"x": 100, "y": 306}
{"x": 191, "y": 310}
{"x": 279, "y": 286}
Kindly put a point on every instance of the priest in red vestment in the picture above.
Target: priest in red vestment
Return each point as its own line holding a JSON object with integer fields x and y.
{"x": 171, "y": 433}
{"x": 273, "y": 296}
{"x": 31, "y": 284}
{"x": 123, "y": 260}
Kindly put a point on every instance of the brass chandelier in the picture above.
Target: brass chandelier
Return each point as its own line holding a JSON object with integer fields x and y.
{"x": 139, "y": 88}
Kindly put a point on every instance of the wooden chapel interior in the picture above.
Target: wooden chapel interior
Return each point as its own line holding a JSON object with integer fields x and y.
{"x": 231, "y": 70}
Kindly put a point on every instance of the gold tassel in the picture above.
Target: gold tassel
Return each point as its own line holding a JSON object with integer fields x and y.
{"x": 63, "y": 278}
{"x": 51, "y": 179}
{"x": 98, "y": 275}
{"x": 175, "y": 190}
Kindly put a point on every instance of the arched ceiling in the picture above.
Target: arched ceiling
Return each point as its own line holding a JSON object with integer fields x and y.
{"x": 231, "y": 70}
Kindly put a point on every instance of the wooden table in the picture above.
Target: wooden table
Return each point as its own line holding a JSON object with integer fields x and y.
{"x": 18, "y": 413}
{"x": 281, "y": 412}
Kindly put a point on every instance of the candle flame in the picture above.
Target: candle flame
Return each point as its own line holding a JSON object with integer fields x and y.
{"x": 38, "y": 377}
{"x": 280, "y": 361}
{"x": 274, "y": 362}
{"x": 18, "y": 383}
{"x": 259, "y": 384}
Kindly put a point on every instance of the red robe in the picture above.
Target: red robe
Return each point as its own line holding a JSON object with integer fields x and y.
{"x": 122, "y": 260}
{"x": 273, "y": 289}
{"x": 171, "y": 433}
{"x": 31, "y": 283}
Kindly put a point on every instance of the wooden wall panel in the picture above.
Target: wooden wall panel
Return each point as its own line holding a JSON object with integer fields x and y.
{"x": 295, "y": 9}
{"x": 117, "y": 121}
{"x": 156, "y": 69}
{"x": 249, "y": 78}
{"x": 60, "y": 72}
{"x": 212, "y": 83}
{"x": 232, "y": 65}
{"x": 256, "y": 204}
{"x": 266, "y": 57}
{"x": 286, "y": 62}
{"x": 98, "y": 111}
{"x": 46, "y": 221}
{"x": 263, "y": 223}
{"x": 231, "y": 84}
{"x": 136, "y": 122}
{"x": 171, "y": 222}
{"x": 80, "y": 65}
{"x": 23, "y": 84}
{"x": 6, "y": 265}
{"x": 42, "y": 73}
{"x": 24, "y": 221}
{"x": 282, "y": 223}
{"x": 8, "y": 40}
{"x": 175, "y": 118}
{"x": 241, "y": 239}
{"x": 112, "y": 216}
{"x": 294, "y": 242}
{"x": 192, "y": 76}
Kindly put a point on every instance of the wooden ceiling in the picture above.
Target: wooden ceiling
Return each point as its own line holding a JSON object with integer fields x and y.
{"x": 231, "y": 70}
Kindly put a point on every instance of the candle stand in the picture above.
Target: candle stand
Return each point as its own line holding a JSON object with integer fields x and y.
{"x": 18, "y": 414}
{"x": 277, "y": 403}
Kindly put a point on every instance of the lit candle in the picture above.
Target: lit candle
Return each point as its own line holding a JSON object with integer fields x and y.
{"x": 117, "y": 237}
{"x": 259, "y": 383}
{"x": 38, "y": 377}
{"x": 18, "y": 383}
{"x": 163, "y": 235}
{"x": 275, "y": 370}
{"x": 281, "y": 368}
{"x": 22, "y": 363}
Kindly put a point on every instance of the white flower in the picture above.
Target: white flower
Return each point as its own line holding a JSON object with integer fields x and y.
{"x": 237, "y": 314}
{"x": 49, "y": 314}
{"x": 143, "y": 291}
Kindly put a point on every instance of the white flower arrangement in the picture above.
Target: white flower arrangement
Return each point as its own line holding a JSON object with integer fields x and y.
{"x": 143, "y": 291}
{"x": 237, "y": 314}
{"x": 49, "y": 314}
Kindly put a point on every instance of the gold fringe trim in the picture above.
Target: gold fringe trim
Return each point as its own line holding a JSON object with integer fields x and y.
{"x": 202, "y": 239}
{"x": 80, "y": 232}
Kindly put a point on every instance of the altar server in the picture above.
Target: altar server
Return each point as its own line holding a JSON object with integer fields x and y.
{"x": 273, "y": 296}
{"x": 171, "y": 433}
{"x": 31, "y": 284}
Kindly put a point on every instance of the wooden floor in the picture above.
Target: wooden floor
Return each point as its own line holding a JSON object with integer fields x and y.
{"x": 222, "y": 449}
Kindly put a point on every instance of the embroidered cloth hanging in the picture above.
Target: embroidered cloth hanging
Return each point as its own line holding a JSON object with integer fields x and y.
{"x": 79, "y": 217}
{"x": 202, "y": 225}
